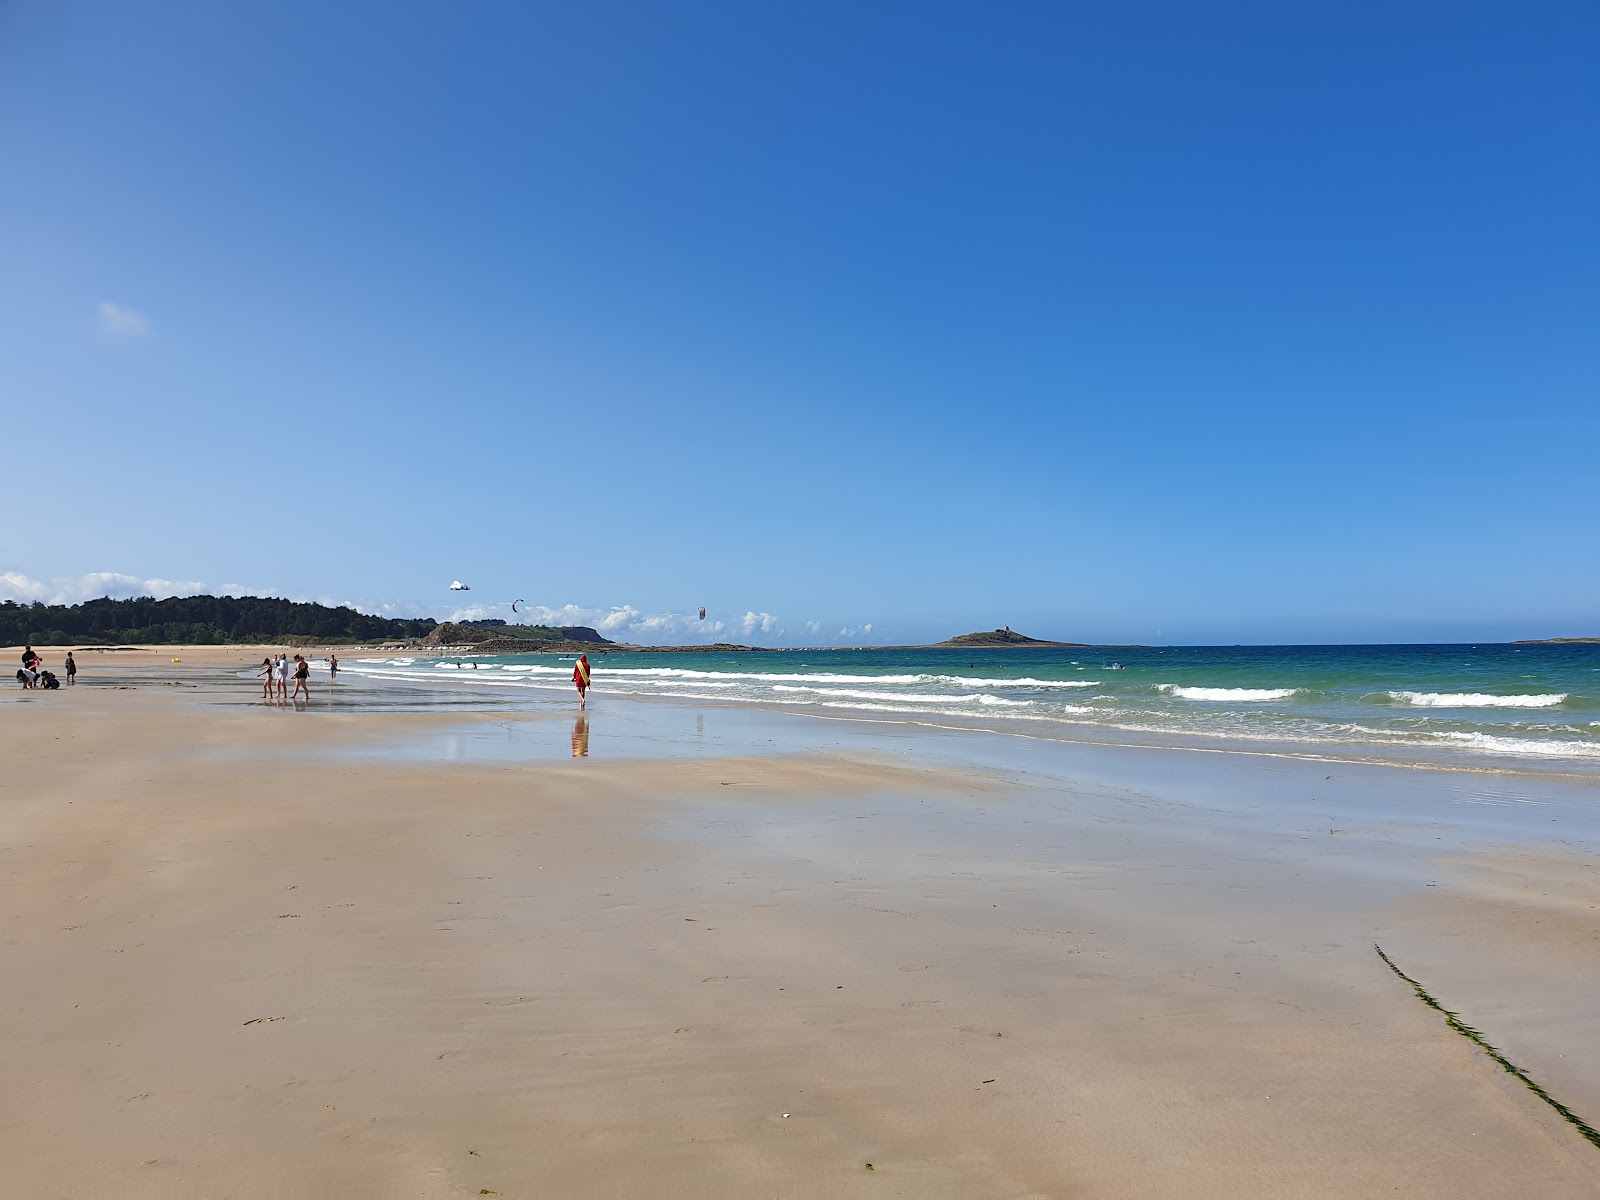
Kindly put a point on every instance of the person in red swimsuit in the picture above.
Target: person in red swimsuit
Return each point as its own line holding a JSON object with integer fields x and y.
{"x": 580, "y": 678}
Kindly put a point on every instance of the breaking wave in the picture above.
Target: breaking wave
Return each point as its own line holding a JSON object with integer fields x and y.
{"x": 1223, "y": 695}
{"x": 1477, "y": 700}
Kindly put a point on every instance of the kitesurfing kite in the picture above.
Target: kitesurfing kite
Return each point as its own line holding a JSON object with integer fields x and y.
{"x": 702, "y": 612}
{"x": 517, "y": 601}
{"x": 458, "y": 586}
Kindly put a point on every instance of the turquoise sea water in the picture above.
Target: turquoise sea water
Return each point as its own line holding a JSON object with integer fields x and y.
{"x": 1491, "y": 704}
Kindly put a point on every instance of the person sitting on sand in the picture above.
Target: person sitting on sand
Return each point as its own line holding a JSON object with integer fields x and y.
{"x": 265, "y": 675}
{"x": 302, "y": 677}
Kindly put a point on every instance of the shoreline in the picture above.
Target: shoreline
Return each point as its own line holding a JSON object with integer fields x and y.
{"x": 513, "y": 693}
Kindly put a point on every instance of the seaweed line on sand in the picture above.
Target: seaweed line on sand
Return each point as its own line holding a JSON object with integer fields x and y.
{"x": 1590, "y": 1134}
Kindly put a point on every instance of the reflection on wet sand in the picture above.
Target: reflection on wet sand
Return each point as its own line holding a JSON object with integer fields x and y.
{"x": 580, "y": 736}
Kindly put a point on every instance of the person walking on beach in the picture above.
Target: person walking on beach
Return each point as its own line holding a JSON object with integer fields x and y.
{"x": 72, "y": 670}
{"x": 265, "y": 674}
{"x": 333, "y": 667}
{"x": 302, "y": 677}
{"x": 283, "y": 677}
{"x": 580, "y": 679}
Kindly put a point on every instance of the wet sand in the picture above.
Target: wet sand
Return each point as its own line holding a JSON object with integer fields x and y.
{"x": 259, "y": 952}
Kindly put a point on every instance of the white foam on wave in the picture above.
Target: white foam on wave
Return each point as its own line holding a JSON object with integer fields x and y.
{"x": 1477, "y": 700}
{"x": 860, "y": 706}
{"x": 902, "y": 697}
{"x": 772, "y": 676}
{"x": 1223, "y": 695}
{"x": 1536, "y": 747}
{"x": 769, "y": 677}
{"x": 810, "y": 677}
{"x": 1025, "y": 681}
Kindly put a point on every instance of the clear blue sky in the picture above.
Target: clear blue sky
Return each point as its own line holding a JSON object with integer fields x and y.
{"x": 1147, "y": 322}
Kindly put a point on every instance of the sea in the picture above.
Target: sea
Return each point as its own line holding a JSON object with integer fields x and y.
{"x": 1497, "y": 706}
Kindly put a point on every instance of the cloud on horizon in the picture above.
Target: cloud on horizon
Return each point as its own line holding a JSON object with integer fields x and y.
{"x": 620, "y": 622}
{"x": 624, "y": 622}
{"x": 121, "y": 321}
{"x": 92, "y": 586}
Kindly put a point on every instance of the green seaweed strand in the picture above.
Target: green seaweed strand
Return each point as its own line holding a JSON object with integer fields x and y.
{"x": 1590, "y": 1134}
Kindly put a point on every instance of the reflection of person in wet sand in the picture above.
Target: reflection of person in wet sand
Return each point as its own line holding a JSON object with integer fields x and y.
{"x": 580, "y": 736}
{"x": 580, "y": 678}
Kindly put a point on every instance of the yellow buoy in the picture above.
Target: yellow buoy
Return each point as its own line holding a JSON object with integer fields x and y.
{"x": 177, "y": 660}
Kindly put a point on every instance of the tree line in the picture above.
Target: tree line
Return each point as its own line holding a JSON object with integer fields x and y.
{"x": 195, "y": 620}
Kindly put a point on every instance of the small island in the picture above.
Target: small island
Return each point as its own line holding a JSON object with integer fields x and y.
{"x": 1571, "y": 641}
{"x": 998, "y": 638}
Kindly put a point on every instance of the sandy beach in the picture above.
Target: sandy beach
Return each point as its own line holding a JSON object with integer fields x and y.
{"x": 258, "y": 952}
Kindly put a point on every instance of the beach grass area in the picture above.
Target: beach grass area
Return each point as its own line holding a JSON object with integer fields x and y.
{"x": 356, "y": 951}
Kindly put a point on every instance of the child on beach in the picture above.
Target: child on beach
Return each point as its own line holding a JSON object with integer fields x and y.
{"x": 72, "y": 670}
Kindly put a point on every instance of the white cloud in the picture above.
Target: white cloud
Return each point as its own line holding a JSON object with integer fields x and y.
{"x": 625, "y": 623}
{"x": 759, "y": 622}
{"x": 120, "y": 321}
{"x": 91, "y": 586}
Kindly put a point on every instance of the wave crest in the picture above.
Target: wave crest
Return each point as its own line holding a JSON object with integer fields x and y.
{"x": 1225, "y": 694}
{"x": 1477, "y": 700}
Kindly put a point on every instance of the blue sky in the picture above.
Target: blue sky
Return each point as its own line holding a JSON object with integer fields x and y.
{"x": 1145, "y": 322}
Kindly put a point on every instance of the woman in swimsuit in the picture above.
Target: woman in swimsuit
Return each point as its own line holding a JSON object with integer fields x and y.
{"x": 302, "y": 677}
{"x": 265, "y": 674}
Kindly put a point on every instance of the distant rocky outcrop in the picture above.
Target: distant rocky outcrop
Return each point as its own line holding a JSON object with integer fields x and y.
{"x": 1583, "y": 641}
{"x": 992, "y": 639}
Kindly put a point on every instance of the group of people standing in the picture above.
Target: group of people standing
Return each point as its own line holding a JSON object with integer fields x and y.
{"x": 33, "y": 674}
{"x": 276, "y": 671}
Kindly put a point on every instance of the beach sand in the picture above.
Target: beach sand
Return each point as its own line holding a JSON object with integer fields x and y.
{"x": 255, "y": 952}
